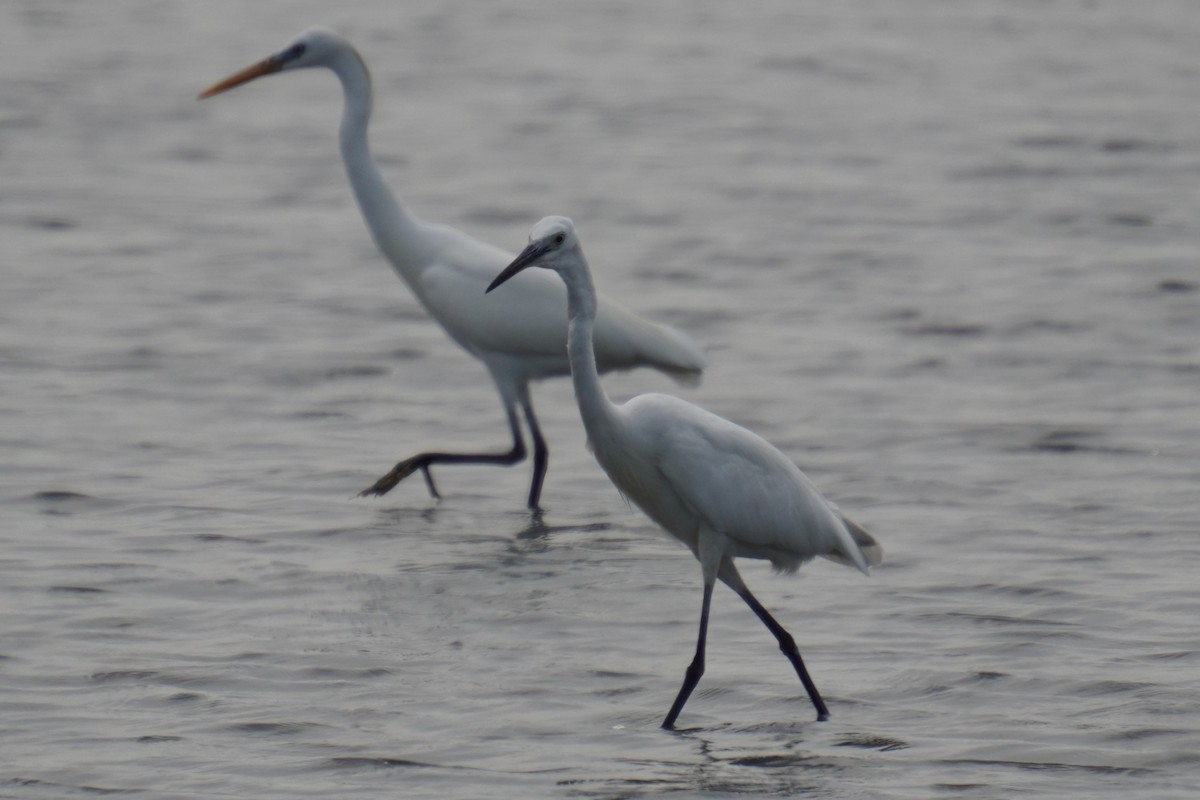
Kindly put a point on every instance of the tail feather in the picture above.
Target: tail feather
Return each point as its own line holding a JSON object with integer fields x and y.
{"x": 870, "y": 552}
{"x": 866, "y": 542}
{"x": 677, "y": 354}
{"x": 624, "y": 341}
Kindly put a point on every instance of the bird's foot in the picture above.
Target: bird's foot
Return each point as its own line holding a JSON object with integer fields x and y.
{"x": 398, "y": 473}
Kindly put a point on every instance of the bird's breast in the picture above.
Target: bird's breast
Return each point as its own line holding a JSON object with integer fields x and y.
{"x": 641, "y": 483}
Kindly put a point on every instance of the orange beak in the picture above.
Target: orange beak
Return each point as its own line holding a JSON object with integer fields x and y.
{"x": 264, "y": 67}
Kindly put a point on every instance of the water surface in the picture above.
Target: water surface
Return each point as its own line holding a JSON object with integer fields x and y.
{"x": 944, "y": 255}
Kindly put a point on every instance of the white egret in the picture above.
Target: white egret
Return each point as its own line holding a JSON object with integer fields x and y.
{"x": 447, "y": 270}
{"x": 718, "y": 488}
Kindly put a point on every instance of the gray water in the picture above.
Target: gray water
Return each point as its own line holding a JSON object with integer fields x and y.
{"x": 942, "y": 254}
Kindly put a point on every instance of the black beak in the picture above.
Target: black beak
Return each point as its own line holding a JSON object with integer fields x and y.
{"x": 530, "y": 254}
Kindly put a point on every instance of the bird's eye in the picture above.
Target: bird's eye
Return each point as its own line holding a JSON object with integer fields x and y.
{"x": 560, "y": 238}
{"x": 297, "y": 50}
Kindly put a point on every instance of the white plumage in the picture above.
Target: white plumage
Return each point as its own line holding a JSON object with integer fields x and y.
{"x": 717, "y": 487}
{"x": 719, "y": 474}
{"x": 448, "y": 271}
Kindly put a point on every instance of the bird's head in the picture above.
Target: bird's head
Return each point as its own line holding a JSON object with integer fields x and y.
{"x": 315, "y": 47}
{"x": 552, "y": 242}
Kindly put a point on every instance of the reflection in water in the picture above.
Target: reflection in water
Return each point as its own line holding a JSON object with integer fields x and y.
{"x": 715, "y": 768}
{"x": 539, "y": 529}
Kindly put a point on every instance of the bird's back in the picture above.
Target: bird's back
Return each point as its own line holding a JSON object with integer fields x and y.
{"x": 527, "y": 317}
{"x": 719, "y": 474}
{"x": 624, "y": 340}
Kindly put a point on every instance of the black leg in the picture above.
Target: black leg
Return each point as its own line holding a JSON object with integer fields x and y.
{"x": 788, "y": 645}
{"x": 541, "y": 454}
{"x": 423, "y": 461}
{"x": 696, "y": 668}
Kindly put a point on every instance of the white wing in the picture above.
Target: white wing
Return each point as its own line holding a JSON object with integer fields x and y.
{"x": 527, "y": 316}
{"x": 739, "y": 484}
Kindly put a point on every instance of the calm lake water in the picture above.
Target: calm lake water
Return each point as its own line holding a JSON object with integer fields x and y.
{"x": 943, "y": 254}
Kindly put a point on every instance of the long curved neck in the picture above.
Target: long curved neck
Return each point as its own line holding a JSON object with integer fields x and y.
{"x": 598, "y": 412}
{"x": 393, "y": 228}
